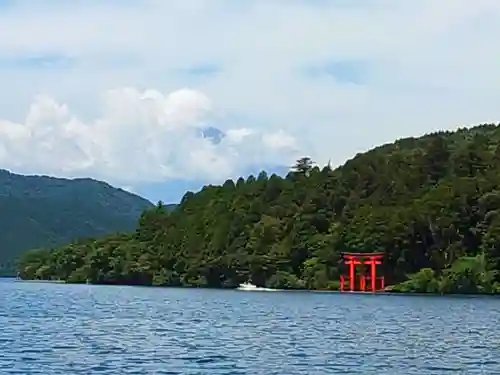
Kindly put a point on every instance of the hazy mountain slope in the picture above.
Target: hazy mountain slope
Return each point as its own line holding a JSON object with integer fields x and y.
{"x": 41, "y": 211}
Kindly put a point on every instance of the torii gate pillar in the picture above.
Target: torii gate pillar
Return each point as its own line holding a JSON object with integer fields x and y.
{"x": 371, "y": 259}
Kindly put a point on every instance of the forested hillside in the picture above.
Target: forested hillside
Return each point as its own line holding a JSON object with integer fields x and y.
{"x": 41, "y": 211}
{"x": 431, "y": 204}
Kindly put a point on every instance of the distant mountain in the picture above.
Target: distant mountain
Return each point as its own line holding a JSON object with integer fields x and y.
{"x": 214, "y": 134}
{"x": 41, "y": 211}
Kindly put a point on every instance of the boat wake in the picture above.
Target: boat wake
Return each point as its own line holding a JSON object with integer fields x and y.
{"x": 248, "y": 287}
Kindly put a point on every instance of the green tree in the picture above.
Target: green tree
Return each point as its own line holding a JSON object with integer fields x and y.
{"x": 431, "y": 204}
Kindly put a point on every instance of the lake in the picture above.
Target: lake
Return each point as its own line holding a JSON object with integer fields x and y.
{"x": 84, "y": 329}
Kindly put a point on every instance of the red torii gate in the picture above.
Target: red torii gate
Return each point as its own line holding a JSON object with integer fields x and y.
{"x": 354, "y": 259}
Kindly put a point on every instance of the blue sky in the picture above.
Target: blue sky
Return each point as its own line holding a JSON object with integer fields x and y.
{"x": 133, "y": 92}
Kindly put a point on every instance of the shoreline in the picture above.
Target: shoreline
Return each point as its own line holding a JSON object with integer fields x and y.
{"x": 381, "y": 293}
{"x": 39, "y": 281}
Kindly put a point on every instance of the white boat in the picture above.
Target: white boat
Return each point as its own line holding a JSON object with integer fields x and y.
{"x": 247, "y": 286}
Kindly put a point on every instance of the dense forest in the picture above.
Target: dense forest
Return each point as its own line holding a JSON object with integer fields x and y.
{"x": 42, "y": 211}
{"x": 431, "y": 204}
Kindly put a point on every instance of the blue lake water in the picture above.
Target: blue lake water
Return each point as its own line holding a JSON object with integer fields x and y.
{"x": 82, "y": 329}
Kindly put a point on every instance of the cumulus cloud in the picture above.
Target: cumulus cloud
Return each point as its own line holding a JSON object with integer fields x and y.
{"x": 141, "y": 136}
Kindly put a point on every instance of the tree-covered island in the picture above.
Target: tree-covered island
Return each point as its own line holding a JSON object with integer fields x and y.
{"x": 431, "y": 204}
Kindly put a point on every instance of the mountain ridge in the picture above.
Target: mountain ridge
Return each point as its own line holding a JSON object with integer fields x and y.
{"x": 40, "y": 211}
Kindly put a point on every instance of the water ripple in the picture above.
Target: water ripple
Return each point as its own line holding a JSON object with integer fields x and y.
{"x": 81, "y": 329}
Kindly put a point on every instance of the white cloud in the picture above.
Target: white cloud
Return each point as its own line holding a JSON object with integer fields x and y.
{"x": 429, "y": 65}
{"x": 280, "y": 141}
{"x": 140, "y": 136}
{"x": 237, "y": 135}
